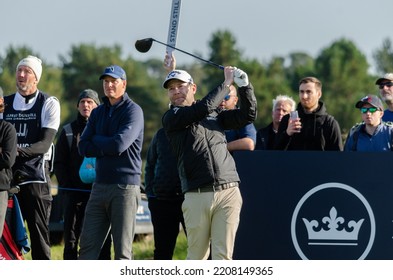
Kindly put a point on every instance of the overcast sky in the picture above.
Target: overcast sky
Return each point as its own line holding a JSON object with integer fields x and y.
{"x": 262, "y": 28}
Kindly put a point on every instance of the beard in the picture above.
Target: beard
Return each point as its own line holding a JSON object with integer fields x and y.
{"x": 27, "y": 88}
{"x": 388, "y": 98}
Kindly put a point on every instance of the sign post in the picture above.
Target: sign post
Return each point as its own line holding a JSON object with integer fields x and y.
{"x": 173, "y": 28}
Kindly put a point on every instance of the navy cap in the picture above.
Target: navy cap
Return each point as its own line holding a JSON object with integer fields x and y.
{"x": 114, "y": 71}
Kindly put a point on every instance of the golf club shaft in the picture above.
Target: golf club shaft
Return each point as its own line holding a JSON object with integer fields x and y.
{"x": 197, "y": 57}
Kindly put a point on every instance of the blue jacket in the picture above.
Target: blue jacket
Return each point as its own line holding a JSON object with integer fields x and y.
{"x": 359, "y": 140}
{"x": 19, "y": 228}
{"x": 114, "y": 136}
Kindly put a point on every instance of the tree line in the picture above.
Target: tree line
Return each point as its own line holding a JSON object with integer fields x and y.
{"x": 341, "y": 66}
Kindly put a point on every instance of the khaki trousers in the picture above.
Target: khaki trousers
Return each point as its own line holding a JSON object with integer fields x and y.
{"x": 212, "y": 217}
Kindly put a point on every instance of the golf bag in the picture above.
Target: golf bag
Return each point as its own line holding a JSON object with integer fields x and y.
{"x": 14, "y": 242}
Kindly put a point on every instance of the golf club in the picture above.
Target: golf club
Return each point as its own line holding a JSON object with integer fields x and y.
{"x": 144, "y": 45}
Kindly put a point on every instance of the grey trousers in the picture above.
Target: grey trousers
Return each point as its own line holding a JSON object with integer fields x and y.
{"x": 3, "y": 209}
{"x": 110, "y": 207}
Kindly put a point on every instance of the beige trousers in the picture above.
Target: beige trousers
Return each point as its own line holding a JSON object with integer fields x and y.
{"x": 212, "y": 218}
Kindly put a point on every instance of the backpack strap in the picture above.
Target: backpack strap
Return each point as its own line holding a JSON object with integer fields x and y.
{"x": 68, "y": 132}
{"x": 354, "y": 133}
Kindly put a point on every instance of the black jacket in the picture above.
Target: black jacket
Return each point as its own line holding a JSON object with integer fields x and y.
{"x": 265, "y": 138}
{"x": 161, "y": 176}
{"x": 67, "y": 162}
{"x": 8, "y": 143}
{"x": 320, "y": 132}
{"x": 197, "y": 136}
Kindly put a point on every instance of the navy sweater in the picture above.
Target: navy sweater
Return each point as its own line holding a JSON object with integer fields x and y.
{"x": 114, "y": 135}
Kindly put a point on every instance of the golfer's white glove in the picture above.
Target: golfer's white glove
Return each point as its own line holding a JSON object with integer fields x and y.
{"x": 240, "y": 77}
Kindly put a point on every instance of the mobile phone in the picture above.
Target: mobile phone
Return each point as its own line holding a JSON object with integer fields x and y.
{"x": 294, "y": 115}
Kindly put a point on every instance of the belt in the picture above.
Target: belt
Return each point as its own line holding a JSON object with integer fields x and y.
{"x": 215, "y": 188}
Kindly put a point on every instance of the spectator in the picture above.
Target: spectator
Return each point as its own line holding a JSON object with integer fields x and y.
{"x": 164, "y": 194}
{"x": 282, "y": 105}
{"x": 314, "y": 129}
{"x": 210, "y": 182}
{"x": 372, "y": 134}
{"x": 238, "y": 139}
{"x": 36, "y": 117}
{"x": 385, "y": 85}
{"x": 67, "y": 165}
{"x": 8, "y": 142}
{"x": 114, "y": 136}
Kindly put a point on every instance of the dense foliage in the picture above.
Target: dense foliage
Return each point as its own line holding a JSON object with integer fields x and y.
{"x": 342, "y": 68}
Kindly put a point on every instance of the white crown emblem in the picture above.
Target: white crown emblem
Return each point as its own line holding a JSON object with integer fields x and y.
{"x": 337, "y": 230}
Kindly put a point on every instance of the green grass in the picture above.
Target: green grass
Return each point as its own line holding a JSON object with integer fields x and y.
{"x": 143, "y": 249}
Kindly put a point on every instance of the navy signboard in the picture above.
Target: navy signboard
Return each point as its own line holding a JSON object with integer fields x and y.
{"x": 315, "y": 205}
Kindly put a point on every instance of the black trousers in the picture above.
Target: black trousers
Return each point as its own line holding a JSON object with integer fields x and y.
{"x": 166, "y": 218}
{"x": 35, "y": 202}
{"x": 74, "y": 212}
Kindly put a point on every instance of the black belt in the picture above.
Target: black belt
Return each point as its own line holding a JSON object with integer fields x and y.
{"x": 215, "y": 188}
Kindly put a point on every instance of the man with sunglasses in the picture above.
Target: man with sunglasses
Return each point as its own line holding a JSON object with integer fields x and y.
{"x": 372, "y": 134}
{"x": 385, "y": 85}
{"x": 238, "y": 139}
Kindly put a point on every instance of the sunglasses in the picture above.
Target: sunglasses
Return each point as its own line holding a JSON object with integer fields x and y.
{"x": 388, "y": 84}
{"x": 226, "y": 98}
{"x": 372, "y": 110}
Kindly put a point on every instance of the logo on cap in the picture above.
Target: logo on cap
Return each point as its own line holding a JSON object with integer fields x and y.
{"x": 114, "y": 71}
{"x": 178, "y": 75}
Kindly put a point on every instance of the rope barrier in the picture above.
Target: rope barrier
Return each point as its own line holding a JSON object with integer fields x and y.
{"x": 70, "y": 189}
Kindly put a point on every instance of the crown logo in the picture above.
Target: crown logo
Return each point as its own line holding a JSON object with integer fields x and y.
{"x": 333, "y": 228}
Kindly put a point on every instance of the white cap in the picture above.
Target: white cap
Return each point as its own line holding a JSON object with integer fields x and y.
{"x": 178, "y": 75}
{"x": 387, "y": 76}
{"x": 34, "y": 63}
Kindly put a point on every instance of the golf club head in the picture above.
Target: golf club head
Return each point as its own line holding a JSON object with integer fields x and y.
{"x": 144, "y": 45}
